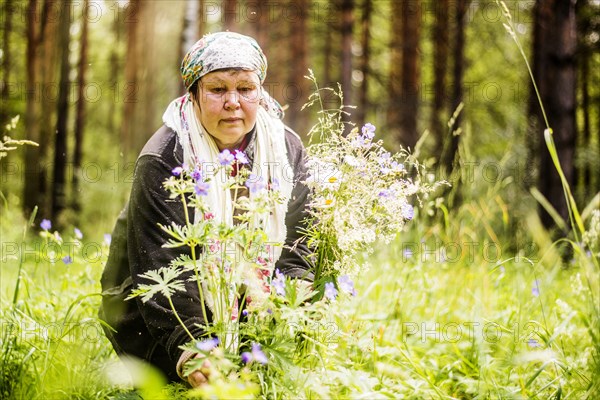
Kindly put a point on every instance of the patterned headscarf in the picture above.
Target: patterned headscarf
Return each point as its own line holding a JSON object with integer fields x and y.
{"x": 222, "y": 50}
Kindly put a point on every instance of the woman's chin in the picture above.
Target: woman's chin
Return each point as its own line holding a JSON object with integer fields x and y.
{"x": 229, "y": 139}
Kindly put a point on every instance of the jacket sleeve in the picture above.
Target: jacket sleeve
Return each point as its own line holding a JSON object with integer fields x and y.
{"x": 149, "y": 206}
{"x": 296, "y": 257}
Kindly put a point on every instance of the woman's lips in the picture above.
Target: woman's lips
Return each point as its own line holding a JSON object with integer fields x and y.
{"x": 231, "y": 120}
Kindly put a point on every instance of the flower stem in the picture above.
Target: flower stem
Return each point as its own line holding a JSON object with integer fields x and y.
{"x": 185, "y": 209}
{"x": 179, "y": 319}
{"x": 199, "y": 283}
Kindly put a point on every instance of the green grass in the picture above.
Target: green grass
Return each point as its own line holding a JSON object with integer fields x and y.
{"x": 472, "y": 323}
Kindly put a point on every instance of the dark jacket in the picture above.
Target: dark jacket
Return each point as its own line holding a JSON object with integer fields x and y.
{"x": 150, "y": 330}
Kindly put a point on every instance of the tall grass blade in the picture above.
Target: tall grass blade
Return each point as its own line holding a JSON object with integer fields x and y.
{"x": 19, "y": 270}
{"x": 574, "y": 215}
{"x": 560, "y": 222}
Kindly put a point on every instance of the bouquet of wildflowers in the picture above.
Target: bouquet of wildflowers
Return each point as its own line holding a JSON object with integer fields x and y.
{"x": 230, "y": 264}
{"x": 233, "y": 268}
{"x": 362, "y": 193}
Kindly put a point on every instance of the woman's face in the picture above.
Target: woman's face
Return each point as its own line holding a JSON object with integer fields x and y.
{"x": 226, "y": 103}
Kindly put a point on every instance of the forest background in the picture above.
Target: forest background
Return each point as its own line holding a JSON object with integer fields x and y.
{"x": 90, "y": 81}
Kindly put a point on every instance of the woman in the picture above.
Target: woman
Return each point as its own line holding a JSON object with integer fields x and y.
{"x": 226, "y": 107}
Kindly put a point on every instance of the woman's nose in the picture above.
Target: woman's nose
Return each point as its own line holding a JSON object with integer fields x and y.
{"x": 232, "y": 99}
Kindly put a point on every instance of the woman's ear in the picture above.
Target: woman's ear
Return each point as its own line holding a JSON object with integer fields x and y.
{"x": 195, "y": 101}
{"x": 193, "y": 92}
{"x": 194, "y": 98}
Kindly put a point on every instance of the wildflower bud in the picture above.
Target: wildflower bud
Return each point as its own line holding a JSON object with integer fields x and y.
{"x": 46, "y": 224}
{"x": 177, "y": 171}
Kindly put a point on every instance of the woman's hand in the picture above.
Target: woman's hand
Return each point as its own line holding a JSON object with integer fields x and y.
{"x": 200, "y": 376}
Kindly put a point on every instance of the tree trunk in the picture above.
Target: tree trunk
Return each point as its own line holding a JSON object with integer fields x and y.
{"x": 115, "y": 65}
{"x": 148, "y": 120}
{"x": 276, "y": 83}
{"x": 60, "y": 145}
{"x": 298, "y": 86}
{"x": 6, "y": 58}
{"x": 395, "y": 74}
{"x": 230, "y": 15}
{"x": 363, "y": 98}
{"x": 449, "y": 160}
{"x": 5, "y": 112}
{"x": 258, "y": 17}
{"x": 131, "y": 86}
{"x": 587, "y": 185}
{"x": 556, "y": 76}
{"x": 50, "y": 44}
{"x": 190, "y": 29}
{"x": 411, "y": 33}
{"x": 201, "y": 18}
{"x": 80, "y": 107}
{"x": 331, "y": 54}
{"x": 31, "y": 187}
{"x": 440, "y": 65}
{"x": 535, "y": 122}
{"x": 327, "y": 50}
{"x": 346, "y": 12}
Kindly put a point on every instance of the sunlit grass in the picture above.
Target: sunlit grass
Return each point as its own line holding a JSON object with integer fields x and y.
{"x": 432, "y": 323}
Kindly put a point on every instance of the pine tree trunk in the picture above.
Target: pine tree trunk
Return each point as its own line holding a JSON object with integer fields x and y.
{"x": 49, "y": 43}
{"x": 60, "y": 145}
{"x": 587, "y": 185}
{"x": 201, "y": 18}
{"x": 190, "y": 30}
{"x": 276, "y": 83}
{"x": 363, "y": 98}
{"x": 80, "y": 107}
{"x": 298, "y": 86}
{"x": 327, "y": 50}
{"x": 131, "y": 84}
{"x": 230, "y": 16}
{"x": 115, "y": 65}
{"x": 440, "y": 66}
{"x": 6, "y": 57}
{"x": 535, "y": 119}
{"x": 450, "y": 151}
{"x": 147, "y": 120}
{"x": 330, "y": 50}
{"x": 557, "y": 72}
{"x": 395, "y": 74}
{"x": 31, "y": 187}
{"x": 189, "y": 27}
{"x": 347, "y": 18}
{"x": 260, "y": 23}
{"x": 5, "y": 113}
{"x": 411, "y": 33}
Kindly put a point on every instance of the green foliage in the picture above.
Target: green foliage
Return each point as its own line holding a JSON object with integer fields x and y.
{"x": 452, "y": 317}
{"x": 51, "y": 341}
{"x": 470, "y": 303}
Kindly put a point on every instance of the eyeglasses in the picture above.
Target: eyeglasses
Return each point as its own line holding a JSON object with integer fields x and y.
{"x": 248, "y": 92}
